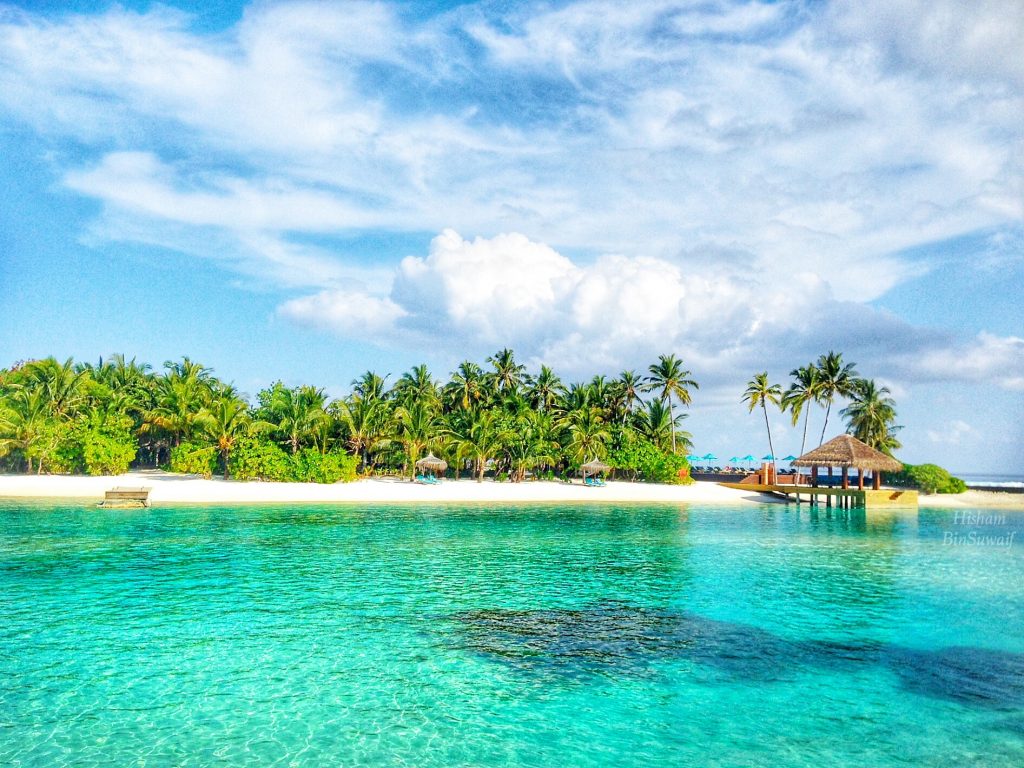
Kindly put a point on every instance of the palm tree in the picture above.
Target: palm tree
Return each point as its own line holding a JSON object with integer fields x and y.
{"x": 669, "y": 380}
{"x": 454, "y": 438}
{"x": 545, "y": 389}
{"x": 466, "y": 386}
{"x": 61, "y": 383}
{"x": 417, "y": 385}
{"x": 178, "y": 402}
{"x": 871, "y": 416}
{"x": 188, "y": 370}
{"x": 588, "y": 436}
{"x": 760, "y": 392}
{"x": 804, "y": 390}
{"x": 834, "y": 378}
{"x": 365, "y": 424}
{"x": 224, "y": 423}
{"x": 576, "y": 397}
{"x": 508, "y": 374}
{"x": 601, "y": 394}
{"x": 626, "y": 393}
{"x": 24, "y": 424}
{"x": 656, "y": 423}
{"x": 530, "y": 443}
{"x": 417, "y": 429}
{"x": 298, "y": 413}
{"x": 369, "y": 386}
{"x": 127, "y": 373}
{"x": 480, "y": 436}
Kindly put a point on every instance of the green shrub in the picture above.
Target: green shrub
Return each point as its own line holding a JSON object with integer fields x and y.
{"x": 928, "y": 478}
{"x": 194, "y": 459}
{"x": 310, "y": 466}
{"x": 259, "y": 459}
{"x": 637, "y": 454}
{"x": 65, "y": 457}
{"x": 82, "y": 447}
{"x": 108, "y": 454}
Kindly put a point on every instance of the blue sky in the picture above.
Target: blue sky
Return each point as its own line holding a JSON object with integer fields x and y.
{"x": 308, "y": 190}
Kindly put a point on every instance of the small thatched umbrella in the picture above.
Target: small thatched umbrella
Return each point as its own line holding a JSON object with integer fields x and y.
{"x": 431, "y": 463}
{"x": 847, "y": 451}
{"x": 593, "y": 467}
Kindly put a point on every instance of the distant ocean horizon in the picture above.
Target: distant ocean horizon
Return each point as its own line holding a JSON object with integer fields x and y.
{"x": 974, "y": 479}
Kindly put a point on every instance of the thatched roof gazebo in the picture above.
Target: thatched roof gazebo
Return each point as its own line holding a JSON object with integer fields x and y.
{"x": 847, "y": 451}
{"x": 431, "y": 463}
{"x": 594, "y": 467}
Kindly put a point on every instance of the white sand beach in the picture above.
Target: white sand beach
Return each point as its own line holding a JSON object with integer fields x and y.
{"x": 173, "y": 488}
{"x": 974, "y": 499}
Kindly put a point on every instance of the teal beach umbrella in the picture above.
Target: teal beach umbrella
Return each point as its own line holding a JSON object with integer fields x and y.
{"x": 709, "y": 457}
{"x": 791, "y": 457}
{"x": 769, "y": 457}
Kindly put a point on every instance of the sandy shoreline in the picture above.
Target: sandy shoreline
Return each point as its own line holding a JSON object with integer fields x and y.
{"x": 984, "y": 499}
{"x": 171, "y": 488}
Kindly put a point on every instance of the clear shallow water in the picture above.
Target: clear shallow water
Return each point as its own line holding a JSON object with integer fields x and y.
{"x": 306, "y": 636}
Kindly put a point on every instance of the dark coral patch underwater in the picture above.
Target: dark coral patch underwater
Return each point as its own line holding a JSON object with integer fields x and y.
{"x": 621, "y": 638}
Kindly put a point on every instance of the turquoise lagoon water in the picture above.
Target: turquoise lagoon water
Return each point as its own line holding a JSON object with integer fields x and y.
{"x": 534, "y": 636}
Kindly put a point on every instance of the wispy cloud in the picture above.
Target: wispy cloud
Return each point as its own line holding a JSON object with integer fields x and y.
{"x": 724, "y": 174}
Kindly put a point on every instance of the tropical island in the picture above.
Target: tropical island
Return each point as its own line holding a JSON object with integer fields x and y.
{"x": 493, "y": 421}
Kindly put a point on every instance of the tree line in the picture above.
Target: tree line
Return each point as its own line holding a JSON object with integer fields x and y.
{"x": 104, "y": 417}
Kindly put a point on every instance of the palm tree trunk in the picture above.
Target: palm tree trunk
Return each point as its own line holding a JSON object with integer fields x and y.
{"x": 771, "y": 448}
{"x": 824, "y": 426}
{"x": 807, "y": 417}
{"x": 672, "y": 424}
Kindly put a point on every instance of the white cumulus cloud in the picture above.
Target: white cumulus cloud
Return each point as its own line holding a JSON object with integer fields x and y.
{"x": 467, "y": 296}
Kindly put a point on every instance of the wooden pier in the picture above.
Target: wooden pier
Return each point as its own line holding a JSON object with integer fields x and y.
{"x": 841, "y": 498}
{"x": 846, "y": 453}
{"x": 126, "y": 498}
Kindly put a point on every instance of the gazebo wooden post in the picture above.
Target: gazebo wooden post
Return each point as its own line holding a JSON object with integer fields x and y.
{"x": 814, "y": 483}
{"x": 860, "y": 478}
{"x": 877, "y": 484}
{"x": 846, "y": 478}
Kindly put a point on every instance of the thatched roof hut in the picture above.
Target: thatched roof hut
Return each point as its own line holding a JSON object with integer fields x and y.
{"x": 848, "y": 451}
{"x": 431, "y": 463}
{"x": 593, "y": 467}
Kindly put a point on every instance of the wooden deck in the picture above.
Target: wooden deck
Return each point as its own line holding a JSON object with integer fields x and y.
{"x": 126, "y": 498}
{"x": 843, "y": 498}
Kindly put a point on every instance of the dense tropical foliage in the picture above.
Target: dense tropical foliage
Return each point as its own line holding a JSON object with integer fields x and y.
{"x": 497, "y": 418}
